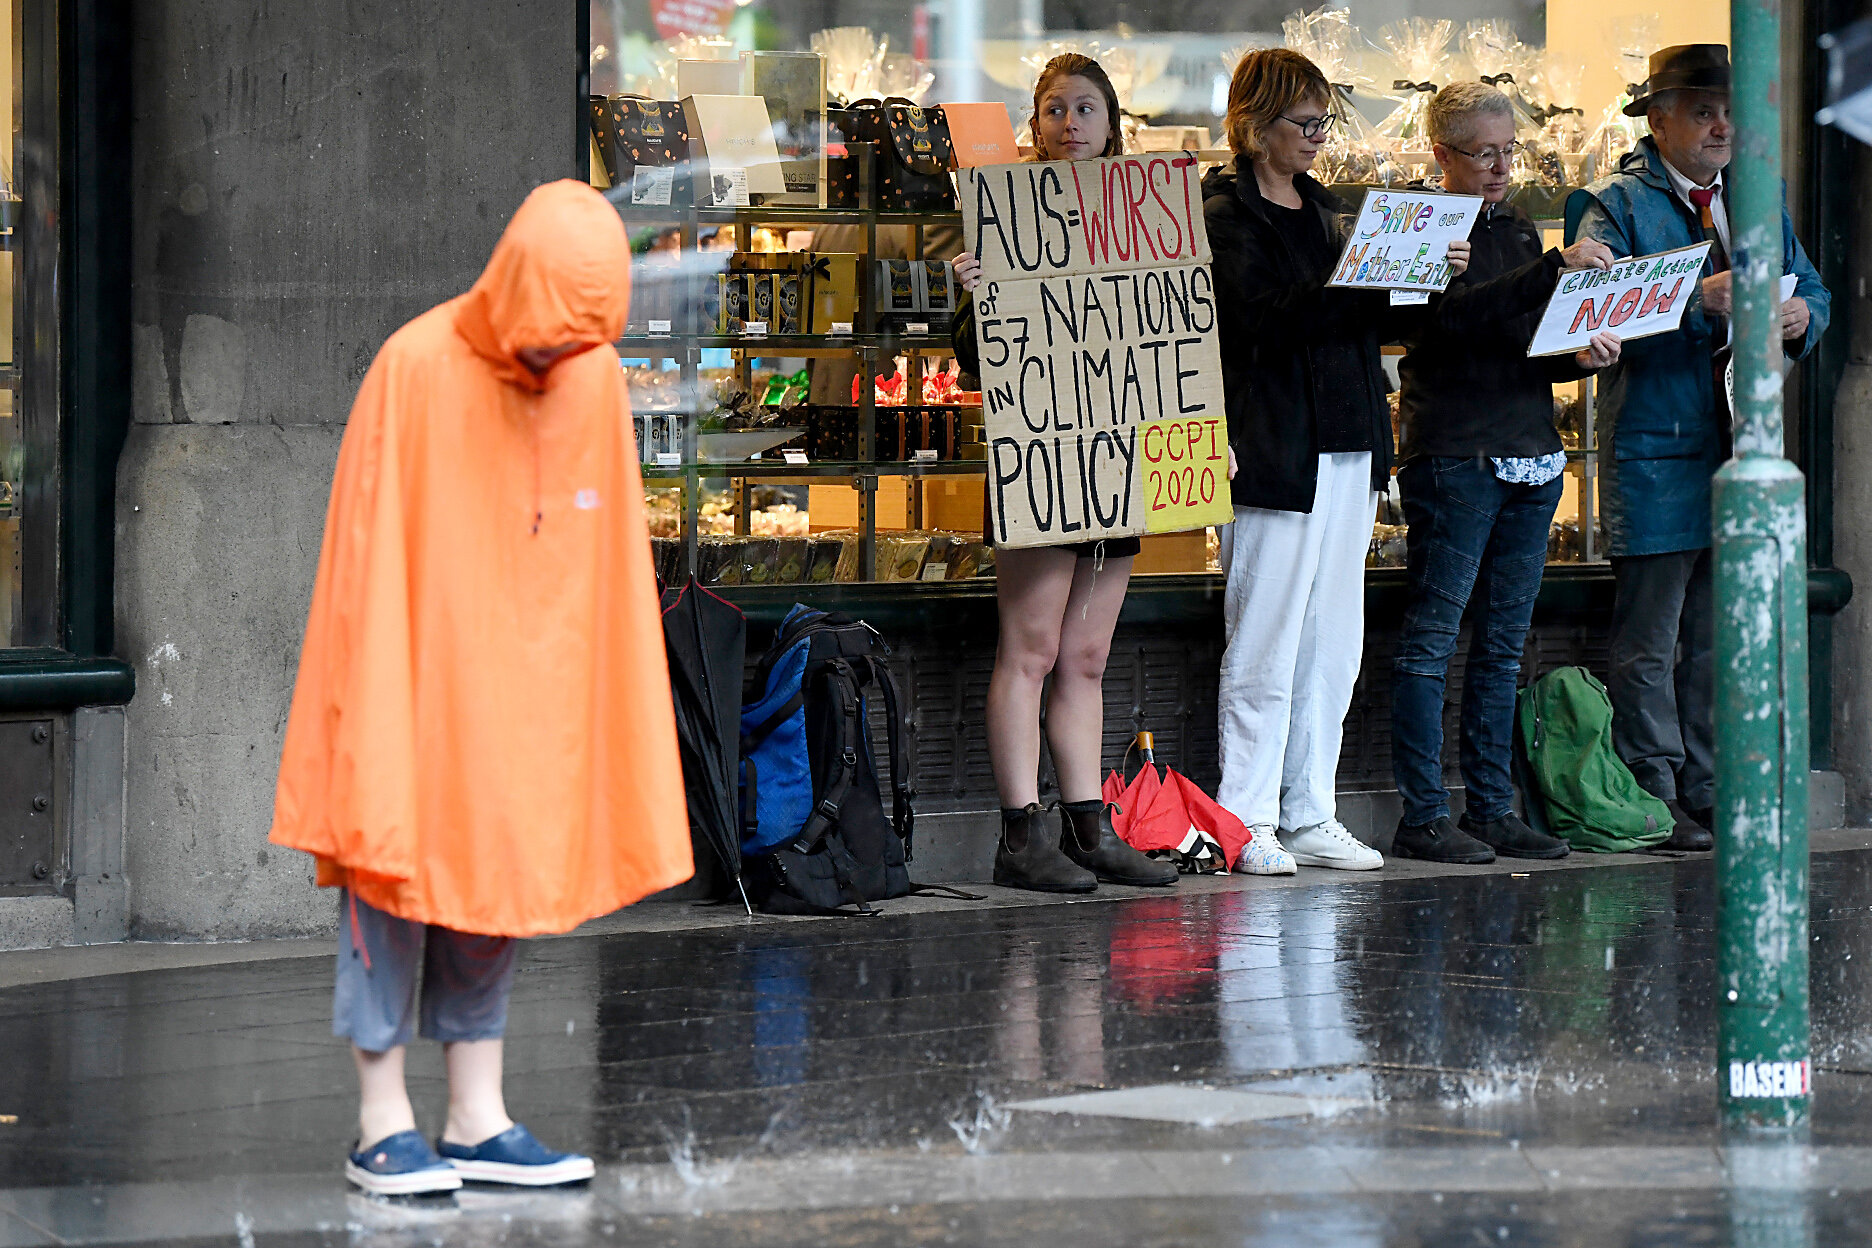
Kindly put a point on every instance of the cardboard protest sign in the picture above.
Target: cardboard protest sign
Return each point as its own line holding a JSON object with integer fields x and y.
{"x": 1400, "y": 240}
{"x": 1096, "y": 322}
{"x": 1634, "y": 298}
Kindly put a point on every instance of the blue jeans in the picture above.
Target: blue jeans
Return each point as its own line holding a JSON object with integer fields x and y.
{"x": 1473, "y": 537}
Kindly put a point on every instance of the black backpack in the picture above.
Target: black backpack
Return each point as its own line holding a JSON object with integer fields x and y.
{"x": 815, "y": 835}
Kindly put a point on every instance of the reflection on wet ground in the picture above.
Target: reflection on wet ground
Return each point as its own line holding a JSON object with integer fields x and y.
{"x": 1460, "y": 1060}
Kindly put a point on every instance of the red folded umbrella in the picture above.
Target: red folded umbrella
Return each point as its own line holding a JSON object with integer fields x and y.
{"x": 1170, "y": 815}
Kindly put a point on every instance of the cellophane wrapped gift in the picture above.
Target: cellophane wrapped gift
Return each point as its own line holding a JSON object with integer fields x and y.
{"x": 1419, "y": 53}
{"x": 1633, "y": 38}
{"x": 1355, "y": 152}
{"x": 1507, "y": 64}
{"x": 1564, "y": 124}
{"x": 902, "y": 75}
{"x": 854, "y": 62}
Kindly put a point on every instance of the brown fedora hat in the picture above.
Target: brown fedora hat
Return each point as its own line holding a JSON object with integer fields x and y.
{"x": 1683, "y": 67}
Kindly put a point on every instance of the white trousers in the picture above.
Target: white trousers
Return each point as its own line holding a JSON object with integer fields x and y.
{"x": 1295, "y": 616}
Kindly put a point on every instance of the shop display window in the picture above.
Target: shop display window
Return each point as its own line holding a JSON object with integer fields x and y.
{"x": 29, "y": 332}
{"x": 790, "y": 247}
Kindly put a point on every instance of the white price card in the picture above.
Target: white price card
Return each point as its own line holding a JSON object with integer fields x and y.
{"x": 659, "y": 328}
{"x": 650, "y": 185}
{"x": 755, "y": 329}
{"x": 924, "y": 454}
{"x": 1409, "y": 298}
{"x": 669, "y": 459}
{"x": 730, "y": 187}
{"x": 841, "y": 328}
{"x": 917, "y": 327}
{"x": 793, "y": 456}
{"x": 935, "y": 572}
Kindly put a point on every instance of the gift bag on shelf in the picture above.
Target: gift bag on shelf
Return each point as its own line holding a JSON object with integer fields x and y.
{"x": 650, "y": 164}
{"x": 912, "y": 153}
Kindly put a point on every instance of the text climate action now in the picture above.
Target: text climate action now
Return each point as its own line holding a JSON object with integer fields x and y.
{"x": 1096, "y": 321}
{"x": 1633, "y": 299}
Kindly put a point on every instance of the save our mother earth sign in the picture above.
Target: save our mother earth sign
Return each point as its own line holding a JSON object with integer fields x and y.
{"x": 1633, "y": 298}
{"x": 1400, "y": 240}
{"x": 1096, "y": 323}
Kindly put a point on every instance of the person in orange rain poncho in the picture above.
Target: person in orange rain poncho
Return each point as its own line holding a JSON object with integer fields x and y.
{"x": 482, "y": 745}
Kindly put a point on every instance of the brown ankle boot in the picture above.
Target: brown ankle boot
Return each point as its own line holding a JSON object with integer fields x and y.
{"x": 1092, "y": 842}
{"x": 1029, "y": 858}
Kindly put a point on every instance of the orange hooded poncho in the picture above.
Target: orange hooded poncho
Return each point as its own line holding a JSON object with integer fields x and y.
{"x": 481, "y": 735}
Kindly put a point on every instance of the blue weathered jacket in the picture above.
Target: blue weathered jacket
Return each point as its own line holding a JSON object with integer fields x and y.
{"x": 1663, "y": 430}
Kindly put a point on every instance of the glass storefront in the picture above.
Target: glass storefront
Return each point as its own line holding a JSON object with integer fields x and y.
{"x": 29, "y": 332}
{"x": 888, "y": 485}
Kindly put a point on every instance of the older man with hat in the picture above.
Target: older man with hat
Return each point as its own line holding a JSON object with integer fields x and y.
{"x": 1665, "y": 426}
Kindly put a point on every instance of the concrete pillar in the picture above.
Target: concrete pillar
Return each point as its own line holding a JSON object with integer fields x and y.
{"x": 305, "y": 179}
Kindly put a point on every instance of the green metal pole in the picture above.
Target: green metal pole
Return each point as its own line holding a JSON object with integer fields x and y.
{"x": 1763, "y": 1072}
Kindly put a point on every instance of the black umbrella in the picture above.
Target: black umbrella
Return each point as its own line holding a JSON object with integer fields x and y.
{"x": 705, "y": 637}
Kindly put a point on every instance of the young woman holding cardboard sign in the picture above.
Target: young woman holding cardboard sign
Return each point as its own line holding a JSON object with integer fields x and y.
{"x": 1310, "y": 427}
{"x": 1058, "y": 604}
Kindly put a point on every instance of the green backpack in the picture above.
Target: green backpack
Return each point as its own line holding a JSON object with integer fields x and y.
{"x": 1589, "y": 796}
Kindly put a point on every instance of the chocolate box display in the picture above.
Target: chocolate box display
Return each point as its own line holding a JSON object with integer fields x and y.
{"x": 831, "y": 289}
{"x": 896, "y": 293}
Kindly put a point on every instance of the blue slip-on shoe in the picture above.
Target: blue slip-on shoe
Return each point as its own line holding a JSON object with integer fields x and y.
{"x": 515, "y": 1157}
{"x": 401, "y": 1165}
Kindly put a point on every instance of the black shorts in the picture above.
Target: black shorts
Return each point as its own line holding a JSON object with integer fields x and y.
{"x": 1115, "y": 548}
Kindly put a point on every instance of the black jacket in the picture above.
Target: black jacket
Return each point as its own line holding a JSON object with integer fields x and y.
{"x": 1289, "y": 344}
{"x": 1468, "y": 386}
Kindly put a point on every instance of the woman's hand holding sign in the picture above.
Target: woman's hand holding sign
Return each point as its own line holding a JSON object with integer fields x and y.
{"x": 968, "y": 271}
{"x": 1458, "y": 257}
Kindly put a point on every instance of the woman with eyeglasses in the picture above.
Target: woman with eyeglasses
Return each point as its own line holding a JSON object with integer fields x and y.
{"x": 1058, "y": 604}
{"x": 1310, "y": 433}
{"x": 1482, "y": 476}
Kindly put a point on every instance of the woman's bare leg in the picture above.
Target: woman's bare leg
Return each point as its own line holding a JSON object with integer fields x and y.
{"x": 1032, "y": 588}
{"x": 1075, "y": 722}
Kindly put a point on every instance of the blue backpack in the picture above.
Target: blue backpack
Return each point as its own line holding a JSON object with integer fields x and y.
{"x": 814, "y": 835}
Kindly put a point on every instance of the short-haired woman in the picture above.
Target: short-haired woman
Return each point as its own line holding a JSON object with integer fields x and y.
{"x": 1480, "y": 482}
{"x": 1058, "y": 604}
{"x": 1310, "y": 429}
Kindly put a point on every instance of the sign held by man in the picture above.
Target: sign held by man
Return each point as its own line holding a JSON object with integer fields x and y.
{"x": 1635, "y": 298}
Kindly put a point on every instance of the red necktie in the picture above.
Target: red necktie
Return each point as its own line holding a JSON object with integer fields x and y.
{"x": 1703, "y": 197}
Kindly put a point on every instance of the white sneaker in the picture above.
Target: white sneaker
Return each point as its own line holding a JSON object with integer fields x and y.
{"x": 1330, "y": 845}
{"x": 1263, "y": 855}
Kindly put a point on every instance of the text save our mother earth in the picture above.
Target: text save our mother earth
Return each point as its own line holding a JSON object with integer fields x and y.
{"x": 1096, "y": 321}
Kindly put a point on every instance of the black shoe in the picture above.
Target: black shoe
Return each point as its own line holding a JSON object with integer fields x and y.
{"x": 1691, "y": 833}
{"x": 1028, "y": 858}
{"x": 1509, "y": 837}
{"x": 1441, "y": 841}
{"x": 1109, "y": 858}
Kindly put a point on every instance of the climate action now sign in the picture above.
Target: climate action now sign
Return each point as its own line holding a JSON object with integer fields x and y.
{"x": 1096, "y": 323}
{"x": 1400, "y": 240}
{"x": 1633, "y": 299}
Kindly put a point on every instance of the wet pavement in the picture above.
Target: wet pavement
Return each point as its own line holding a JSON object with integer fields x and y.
{"x": 1415, "y": 1059}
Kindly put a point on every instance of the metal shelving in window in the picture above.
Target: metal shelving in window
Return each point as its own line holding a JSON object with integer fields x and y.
{"x": 867, "y": 343}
